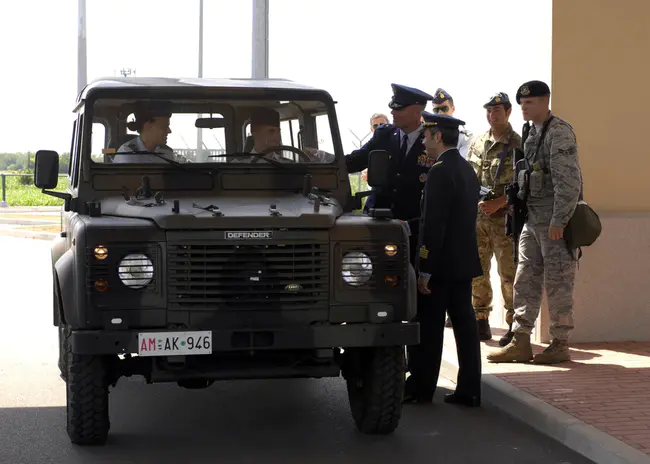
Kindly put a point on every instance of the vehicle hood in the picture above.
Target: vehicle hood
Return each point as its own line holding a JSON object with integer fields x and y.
{"x": 290, "y": 210}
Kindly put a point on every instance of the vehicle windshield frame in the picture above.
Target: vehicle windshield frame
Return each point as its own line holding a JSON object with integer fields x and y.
{"x": 221, "y": 95}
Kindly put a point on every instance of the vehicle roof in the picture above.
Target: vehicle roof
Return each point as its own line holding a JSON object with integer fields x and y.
{"x": 193, "y": 82}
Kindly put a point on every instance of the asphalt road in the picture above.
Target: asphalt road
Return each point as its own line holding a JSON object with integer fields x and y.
{"x": 283, "y": 421}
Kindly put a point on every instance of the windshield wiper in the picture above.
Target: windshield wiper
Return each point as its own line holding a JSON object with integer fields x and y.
{"x": 257, "y": 155}
{"x": 155, "y": 153}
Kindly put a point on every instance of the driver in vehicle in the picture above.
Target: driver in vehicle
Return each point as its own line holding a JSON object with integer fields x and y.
{"x": 266, "y": 134}
{"x": 152, "y": 123}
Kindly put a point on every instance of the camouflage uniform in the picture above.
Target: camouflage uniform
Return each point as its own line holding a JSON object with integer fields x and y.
{"x": 490, "y": 230}
{"x": 545, "y": 263}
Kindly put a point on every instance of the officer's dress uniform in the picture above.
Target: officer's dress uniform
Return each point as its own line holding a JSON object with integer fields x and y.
{"x": 547, "y": 264}
{"x": 491, "y": 158}
{"x": 448, "y": 254}
{"x": 409, "y": 164}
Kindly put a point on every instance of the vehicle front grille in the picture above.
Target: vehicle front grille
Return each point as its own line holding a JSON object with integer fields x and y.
{"x": 259, "y": 276}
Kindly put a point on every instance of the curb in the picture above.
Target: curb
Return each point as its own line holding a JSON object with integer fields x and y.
{"x": 582, "y": 438}
{"x": 26, "y": 222}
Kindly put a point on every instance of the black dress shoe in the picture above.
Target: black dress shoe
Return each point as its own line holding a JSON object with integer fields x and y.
{"x": 469, "y": 401}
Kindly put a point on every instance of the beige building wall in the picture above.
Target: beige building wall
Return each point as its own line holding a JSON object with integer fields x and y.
{"x": 601, "y": 86}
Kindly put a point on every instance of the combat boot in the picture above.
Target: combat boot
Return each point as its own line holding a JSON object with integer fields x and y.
{"x": 484, "y": 331}
{"x": 507, "y": 337}
{"x": 556, "y": 352}
{"x": 518, "y": 350}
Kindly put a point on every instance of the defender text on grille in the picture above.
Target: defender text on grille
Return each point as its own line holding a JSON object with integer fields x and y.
{"x": 249, "y": 235}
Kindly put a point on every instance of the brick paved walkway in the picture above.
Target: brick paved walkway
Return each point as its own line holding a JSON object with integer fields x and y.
{"x": 606, "y": 385}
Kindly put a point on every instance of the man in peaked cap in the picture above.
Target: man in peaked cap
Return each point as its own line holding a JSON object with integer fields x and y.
{"x": 447, "y": 261}
{"x": 410, "y": 164}
{"x": 443, "y": 103}
{"x": 550, "y": 183}
{"x": 491, "y": 155}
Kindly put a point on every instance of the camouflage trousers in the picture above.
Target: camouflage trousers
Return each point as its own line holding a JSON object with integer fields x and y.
{"x": 492, "y": 240}
{"x": 544, "y": 264}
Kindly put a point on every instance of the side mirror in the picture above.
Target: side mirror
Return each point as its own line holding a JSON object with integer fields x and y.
{"x": 378, "y": 168}
{"x": 46, "y": 171}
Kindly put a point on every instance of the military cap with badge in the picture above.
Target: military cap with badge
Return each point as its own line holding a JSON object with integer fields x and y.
{"x": 499, "y": 98}
{"x": 441, "y": 121}
{"x": 404, "y": 96}
{"x": 532, "y": 89}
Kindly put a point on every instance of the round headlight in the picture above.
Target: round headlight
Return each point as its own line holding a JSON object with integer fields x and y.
{"x": 356, "y": 268}
{"x": 136, "y": 270}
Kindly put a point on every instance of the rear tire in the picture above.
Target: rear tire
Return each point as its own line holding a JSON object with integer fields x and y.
{"x": 375, "y": 382}
{"x": 87, "y": 399}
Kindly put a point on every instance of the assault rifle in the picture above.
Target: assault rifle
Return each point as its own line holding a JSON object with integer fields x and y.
{"x": 518, "y": 212}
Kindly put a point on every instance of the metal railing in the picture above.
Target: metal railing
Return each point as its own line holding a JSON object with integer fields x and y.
{"x": 3, "y": 185}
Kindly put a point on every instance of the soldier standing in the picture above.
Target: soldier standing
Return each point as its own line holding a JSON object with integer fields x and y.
{"x": 491, "y": 156}
{"x": 550, "y": 183}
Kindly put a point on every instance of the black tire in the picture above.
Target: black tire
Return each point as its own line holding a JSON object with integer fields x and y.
{"x": 87, "y": 399}
{"x": 376, "y": 389}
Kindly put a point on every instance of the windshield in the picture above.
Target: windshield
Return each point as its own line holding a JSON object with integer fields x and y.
{"x": 229, "y": 132}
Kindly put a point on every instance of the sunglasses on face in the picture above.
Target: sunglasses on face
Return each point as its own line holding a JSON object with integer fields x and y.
{"x": 376, "y": 125}
{"x": 441, "y": 109}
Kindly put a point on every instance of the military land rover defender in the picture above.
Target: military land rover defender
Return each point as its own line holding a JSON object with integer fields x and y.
{"x": 231, "y": 260}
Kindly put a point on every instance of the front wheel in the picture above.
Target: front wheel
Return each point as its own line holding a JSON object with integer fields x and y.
{"x": 87, "y": 399}
{"x": 375, "y": 380}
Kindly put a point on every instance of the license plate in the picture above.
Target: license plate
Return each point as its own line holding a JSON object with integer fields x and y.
{"x": 174, "y": 343}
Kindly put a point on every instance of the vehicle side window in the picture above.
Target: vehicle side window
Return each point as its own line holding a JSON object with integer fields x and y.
{"x": 324, "y": 132}
{"x": 98, "y": 142}
{"x": 76, "y": 152}
{"x": 72, "y": 144}
{"x": 290, "y": 132}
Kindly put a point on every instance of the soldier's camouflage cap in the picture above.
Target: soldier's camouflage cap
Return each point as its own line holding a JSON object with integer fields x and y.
{"x": 532, "y": 89}
{"x": 441, "y": 121}
{"x": 441, "y": 96}
{"x": 404, "y": 96}
{"x": 500, "y": 98}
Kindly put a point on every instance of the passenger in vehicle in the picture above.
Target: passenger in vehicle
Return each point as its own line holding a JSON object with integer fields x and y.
{"x": 152, "y": 123}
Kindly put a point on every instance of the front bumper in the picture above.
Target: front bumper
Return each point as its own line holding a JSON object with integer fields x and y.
{"x": 314, "y": 337}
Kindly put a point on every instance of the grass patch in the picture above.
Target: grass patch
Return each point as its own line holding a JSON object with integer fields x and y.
{"x": 20, "y": 191}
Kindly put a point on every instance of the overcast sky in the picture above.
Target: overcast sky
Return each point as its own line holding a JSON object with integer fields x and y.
{"x": 352, "y": 48}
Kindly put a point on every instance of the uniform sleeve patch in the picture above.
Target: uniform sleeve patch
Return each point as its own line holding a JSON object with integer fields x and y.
{"x": 424, "y": 253}
{"x": 423, "y": 177}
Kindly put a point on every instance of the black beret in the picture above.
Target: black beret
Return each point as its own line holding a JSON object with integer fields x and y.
{"x": 500, "y": 98}
{"x": 404, "y": 96}
{"x": 441, "y": 120}
{"x": 266, "y": 117}
{"x": 533, "y": 89}
{"x": 441, "y": 96}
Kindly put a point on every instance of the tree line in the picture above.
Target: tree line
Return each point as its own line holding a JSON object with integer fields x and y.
{"x": 24, "y": 162}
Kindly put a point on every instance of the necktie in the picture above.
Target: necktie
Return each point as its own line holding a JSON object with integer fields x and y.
{"x": 403, "y": 147}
